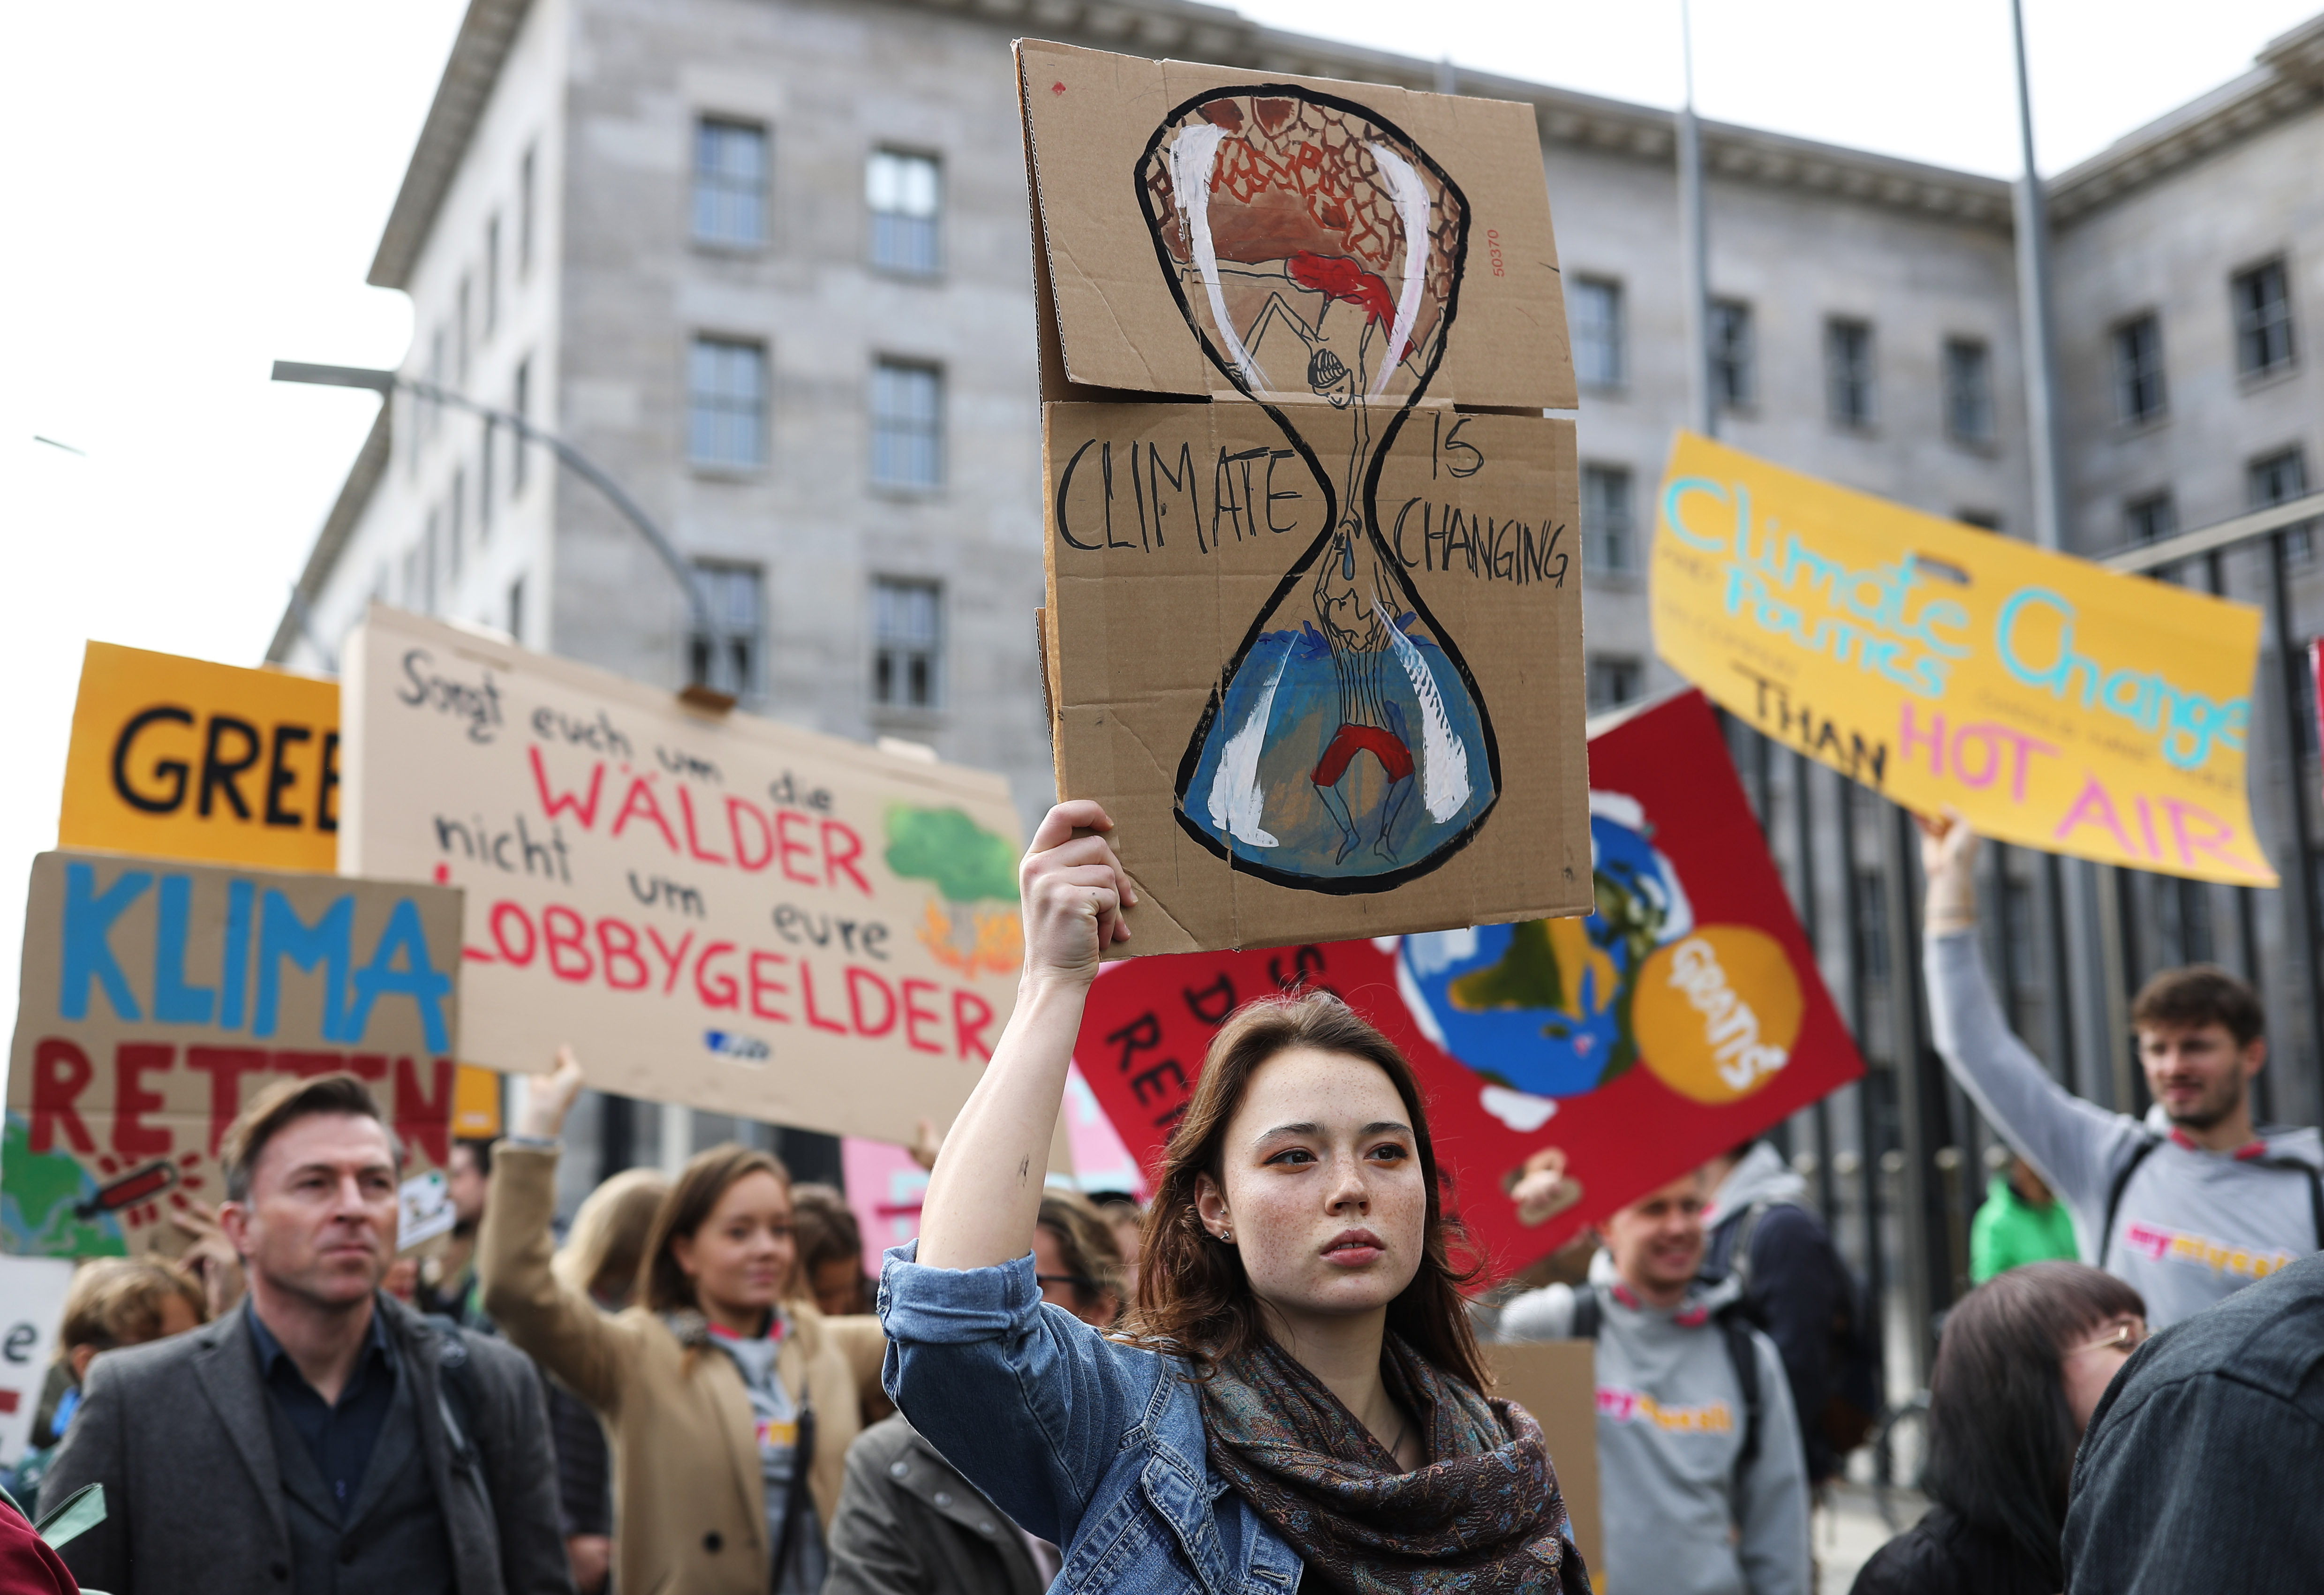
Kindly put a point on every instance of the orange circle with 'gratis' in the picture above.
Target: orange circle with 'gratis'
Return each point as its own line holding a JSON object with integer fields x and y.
{"x": 1717, "y": 1012}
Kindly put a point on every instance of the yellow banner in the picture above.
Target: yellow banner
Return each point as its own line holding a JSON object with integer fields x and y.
{"x": 184, "y": 758}
{"x": 187, "y": 758}
{"x": 2056, "y": 705}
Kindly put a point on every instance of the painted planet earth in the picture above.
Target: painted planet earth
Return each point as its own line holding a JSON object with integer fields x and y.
{"x": 1543, "y": 1008}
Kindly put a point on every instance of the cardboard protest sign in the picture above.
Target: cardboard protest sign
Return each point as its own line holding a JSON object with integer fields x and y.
{"x": 2057, "y": 705}
{"x": 31, "y": 1312}
{"x": 1557, "y": 1382}
{"x": 1682, "y": 1016}
{"x": 1313, "y": 625}
{"x": 713, "y": 910}
{"x": 157, "y": 996}
{"x": 182, "y": 758}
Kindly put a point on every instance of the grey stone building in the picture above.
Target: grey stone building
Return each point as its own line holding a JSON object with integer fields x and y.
{"x": 766, "y": 261}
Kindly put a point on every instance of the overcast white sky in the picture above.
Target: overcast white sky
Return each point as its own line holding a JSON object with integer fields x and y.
{"x": 191, "y": 192}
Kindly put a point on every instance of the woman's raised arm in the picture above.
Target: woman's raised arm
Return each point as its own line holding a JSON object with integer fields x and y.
{"x": 985, "y": 1192}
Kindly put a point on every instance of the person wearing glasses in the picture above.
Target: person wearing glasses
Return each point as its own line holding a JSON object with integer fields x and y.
{"x": 730, "y": 1401}
{"x": 910, "y": 1523}
{"x": 2025, "y": 1359}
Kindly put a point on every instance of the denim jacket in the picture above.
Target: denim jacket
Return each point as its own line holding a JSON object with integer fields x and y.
{"x": 1096, "y": 1446}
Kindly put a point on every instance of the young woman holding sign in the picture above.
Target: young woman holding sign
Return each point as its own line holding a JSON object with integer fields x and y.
{"x": 1299, "y": 1384}
{"x": 730, "y": 1401}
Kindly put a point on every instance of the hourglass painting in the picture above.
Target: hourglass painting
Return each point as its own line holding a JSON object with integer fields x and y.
{"x": 1316, "y": 252}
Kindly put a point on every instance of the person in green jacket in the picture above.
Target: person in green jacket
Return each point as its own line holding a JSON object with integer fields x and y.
{"x": 2020, "y": 1223}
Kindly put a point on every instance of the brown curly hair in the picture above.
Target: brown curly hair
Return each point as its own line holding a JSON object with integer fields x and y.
{"x": 1193, "y": 1298}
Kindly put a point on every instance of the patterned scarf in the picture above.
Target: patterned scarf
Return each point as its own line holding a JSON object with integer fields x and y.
{"x": 1482, "y": 1513}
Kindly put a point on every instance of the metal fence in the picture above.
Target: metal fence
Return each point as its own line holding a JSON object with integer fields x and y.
{"x": 1897, "y": 1163}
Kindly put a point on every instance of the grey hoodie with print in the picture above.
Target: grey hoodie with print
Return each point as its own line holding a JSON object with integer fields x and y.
{"x": 2193, "y": 1227}
{"x": 1679, "y": 1518}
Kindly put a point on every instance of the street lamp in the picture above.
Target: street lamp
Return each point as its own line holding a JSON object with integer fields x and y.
{"x": 385, "y": 382}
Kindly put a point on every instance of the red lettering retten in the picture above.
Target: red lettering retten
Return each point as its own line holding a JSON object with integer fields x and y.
{"x": 424, "y": 1118}
{"x": 60, "y": 1072}
{"x": 226, "y": 1066}
{"x": 131, "y": 1062}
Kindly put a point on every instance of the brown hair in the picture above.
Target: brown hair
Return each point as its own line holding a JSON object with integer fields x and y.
{"x": 118, "y": 1301}
{"x": 2001, "y": 1437}
{"x": 700, "y": 1184}
{"x": 607, "y": 1240}
{"x": 1085, "y": 1245}
{"x": 1193, "y": 1294}
{"x": 283, "y": 1104}
{"x": 828, "y": 1232}
{"x": 2200, "y": 994}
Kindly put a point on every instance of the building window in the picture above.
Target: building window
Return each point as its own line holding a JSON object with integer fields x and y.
{"x": 1595, "y": 318}
{"x": 525, "y": 206}
{"x": 1848, "y": 371}
{"x": 1608, "y": 546}
{"x": 460, "y": 340}
{"x": 907, "y": 424}
{"x": 409, "y": 597}
{"x": 431, "y": 563}
{"x": 906, "y": 194}
{"x": 1969, "y": 391}
{"x": 516, "y": 609}
{"x": 491, "y": 274}
{"x": 907, "y": 644}
{"x": 730, "y": 183}
{"x": 485, "y": 506}
{"x": 2263, "y": 301}
{"x": 456, "y": 526}
{"x": 1734, "y": 374}
{"x": 2278, "y": 479}
{"x": 2138, "y": 369}
{"x": 1613, "y": 680}
{"x": 435, "y": 378}
{"x": 2151, "y": 519}
{"x": 520, "y": 406}
{"x": 729, "y": 658}
{"x": 726, "y": 403}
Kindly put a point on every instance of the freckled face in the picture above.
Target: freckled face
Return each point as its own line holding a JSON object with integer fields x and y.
{"x": 1323, "y": 1189}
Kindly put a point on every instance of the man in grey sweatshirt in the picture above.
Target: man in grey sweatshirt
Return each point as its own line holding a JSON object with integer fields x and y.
{"x": 1702, "y": 1497}
{"x": 2187, "y": 1215}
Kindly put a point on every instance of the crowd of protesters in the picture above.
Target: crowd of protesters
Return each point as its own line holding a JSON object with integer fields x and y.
{"x": 1272, "y": 1377}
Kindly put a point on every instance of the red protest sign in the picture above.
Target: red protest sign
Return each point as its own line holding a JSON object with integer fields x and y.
{"x": 1684, "y": 1016}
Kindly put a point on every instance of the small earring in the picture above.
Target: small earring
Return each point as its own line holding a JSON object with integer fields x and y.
{"x": 1227, "y": 1236}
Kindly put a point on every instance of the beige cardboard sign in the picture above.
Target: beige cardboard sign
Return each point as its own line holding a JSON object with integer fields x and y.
{"x": 1313, "y": 638}
{"x": 156, "y": 996}
{"x": 1171, "y": 196}
{"x": 1557, "y": 1382}
{"x": 713, "y": 910}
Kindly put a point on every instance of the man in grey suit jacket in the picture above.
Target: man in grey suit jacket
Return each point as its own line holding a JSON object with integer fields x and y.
{"x": 323, "y": 1437}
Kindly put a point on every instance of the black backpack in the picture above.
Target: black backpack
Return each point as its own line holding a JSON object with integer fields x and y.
{"x": 1852, "y": 1404}
{"x": 2146, "y": 1149}
{"x": 1590, "y": 1316}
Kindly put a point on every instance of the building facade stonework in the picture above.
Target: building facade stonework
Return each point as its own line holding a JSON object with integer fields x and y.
{"x": 765, "y": 262}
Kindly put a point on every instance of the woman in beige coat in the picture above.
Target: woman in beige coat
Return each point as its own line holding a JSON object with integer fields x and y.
{"x": 719, "y": 1393}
